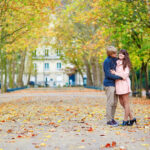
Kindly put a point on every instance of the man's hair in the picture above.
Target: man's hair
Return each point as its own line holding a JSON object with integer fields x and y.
{"x": 111, "y": 50}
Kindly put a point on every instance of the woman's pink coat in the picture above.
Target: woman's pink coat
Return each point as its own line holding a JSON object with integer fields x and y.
{"x": 122, "y": 86}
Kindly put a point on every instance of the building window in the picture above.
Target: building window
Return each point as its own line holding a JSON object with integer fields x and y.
{"x": 46, "y": 52}
{"x": 58, "y": 52}
{"x": 46, "y": 66}
{"x": 34, "y": 53}
{"x": 35, "y": 66}
{"x": 58, "y": 65}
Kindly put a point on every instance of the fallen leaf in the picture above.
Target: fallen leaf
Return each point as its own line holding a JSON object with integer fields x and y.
{"x": 34, "y": 134}
{"x": 52, "y": 130}
{"x": 107, "y": 145}
{"x": 90, "y": 129}
{"x": 19, "y": 136}
{"x": 102, "y": 135}
{"x": 51, "y": 123}
{"x": 48, "y": 136}
{"x": 113, "y": 143}
{"x": 145, "y": 144}
{"x": 81, "y": 147}
{"x": 42, "y": 144}
{"x": 9, "y": 131}
{"x": 12, "y": 141}
{"x": 37, "y": 146}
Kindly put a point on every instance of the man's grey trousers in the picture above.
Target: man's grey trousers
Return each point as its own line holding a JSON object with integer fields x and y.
{"x": 112, "y": 100}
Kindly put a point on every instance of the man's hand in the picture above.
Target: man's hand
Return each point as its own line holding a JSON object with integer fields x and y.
{"x": 113, "y": 71}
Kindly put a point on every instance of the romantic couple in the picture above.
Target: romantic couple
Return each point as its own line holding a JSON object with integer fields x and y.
{"x": 117, "y": 84}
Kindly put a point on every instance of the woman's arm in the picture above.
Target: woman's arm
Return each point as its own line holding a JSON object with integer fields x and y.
{"x": 124, "y": 74}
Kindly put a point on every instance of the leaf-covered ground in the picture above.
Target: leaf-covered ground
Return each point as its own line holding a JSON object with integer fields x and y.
{"x": 68, "y": 119}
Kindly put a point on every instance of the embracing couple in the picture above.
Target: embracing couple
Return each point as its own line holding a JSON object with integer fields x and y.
{"x": 117, "y": 84}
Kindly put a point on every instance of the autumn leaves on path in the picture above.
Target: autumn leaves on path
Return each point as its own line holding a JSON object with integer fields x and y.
{"x": 68, "y": 120}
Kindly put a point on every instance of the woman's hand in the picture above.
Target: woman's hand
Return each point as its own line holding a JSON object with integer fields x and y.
{"x": 113, "y": 71}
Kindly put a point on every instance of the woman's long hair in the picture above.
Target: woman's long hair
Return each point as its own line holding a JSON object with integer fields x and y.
{"x": 126, "y": 60}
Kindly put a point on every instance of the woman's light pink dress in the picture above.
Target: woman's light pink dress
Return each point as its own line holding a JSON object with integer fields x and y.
{"x": 122, "y": 86}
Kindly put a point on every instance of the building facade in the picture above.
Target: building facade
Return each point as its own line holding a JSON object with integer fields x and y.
{"x": 51, "y": 71}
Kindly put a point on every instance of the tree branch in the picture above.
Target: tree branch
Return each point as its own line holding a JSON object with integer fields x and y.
{"x": 13, "y": 32}
{"x": 10, "y": 42}
{"x": 136, "y": 38}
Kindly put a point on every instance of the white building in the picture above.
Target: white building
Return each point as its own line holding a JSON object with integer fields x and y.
{"x": 51, "y": 71}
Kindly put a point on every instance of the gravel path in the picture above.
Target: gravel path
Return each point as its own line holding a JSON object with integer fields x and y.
{"x": 68, "y": 119}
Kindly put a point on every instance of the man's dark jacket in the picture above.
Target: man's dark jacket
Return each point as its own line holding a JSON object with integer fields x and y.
{"x": 110, "y": 64}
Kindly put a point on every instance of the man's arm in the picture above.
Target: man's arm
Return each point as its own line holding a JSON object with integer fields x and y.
{"x": 108, "y": 74}
{"x": 124, "y": 74}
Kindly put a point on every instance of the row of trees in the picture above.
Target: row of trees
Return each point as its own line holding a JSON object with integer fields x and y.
{"x": 83, "y": 28}
{"x": 23, "y": 24}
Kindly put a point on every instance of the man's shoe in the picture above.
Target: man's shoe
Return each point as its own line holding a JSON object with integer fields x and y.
{"x": 115, "y": 122}
{"x": 112, "y": 123}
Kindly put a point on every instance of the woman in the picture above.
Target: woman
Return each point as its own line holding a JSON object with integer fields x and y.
{"x": 123, "y": 86}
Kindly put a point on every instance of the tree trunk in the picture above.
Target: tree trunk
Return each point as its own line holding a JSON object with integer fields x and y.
{"x": 134, "y": 82}
{"x": 13, "y": 73}
{"x": 2, "y": 81}
{"x": 10, "y": 74}
{"x": 98, "y": 73}
{"x": 30, "y": 69}
{"x": 2, "y": 56}
{"x": 29, "y": 76}
{"x": 101, "y": 74}
{"x": 94, "y": 71}
{"x": 1, "y": 69}
{"x": 145, "y": 69}
{"x": 81, "y": 73}
{"x": 140, "y": 83}
{"x": 79, "y": 68}
{"x": 5, "y": 72}
{"x": 4, "y": 78}
{"x": 88, "y": 73}
{"x": 89, "y": 76}
{"x": 21, "y": 69}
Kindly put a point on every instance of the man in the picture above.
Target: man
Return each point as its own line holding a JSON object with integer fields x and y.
{"x": 109, "y": 83}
